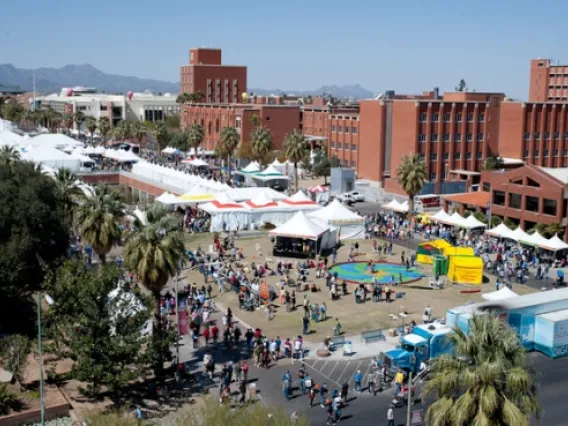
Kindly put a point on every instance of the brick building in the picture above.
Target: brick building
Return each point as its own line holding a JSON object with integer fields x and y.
{"x": 206, "y": 74}
{"x": 548, "y": 82}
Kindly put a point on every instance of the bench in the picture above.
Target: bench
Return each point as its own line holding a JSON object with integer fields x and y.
{"x": 373, "y": 335}
{"x": 337, "y": 341}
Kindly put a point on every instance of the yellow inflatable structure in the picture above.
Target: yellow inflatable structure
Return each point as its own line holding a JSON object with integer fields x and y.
{"x": 465, "y": 270}
{"x": 426, "y": 251}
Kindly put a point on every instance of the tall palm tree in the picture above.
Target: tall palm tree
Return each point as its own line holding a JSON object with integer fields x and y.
{"x": 67, "y": 122}
{"x": 296, "y": 150}
{"x": 261, "y": 143}
{"x": 98, "y": 219}
{"x": 104, "y": 127}
{"x": 228, "y": 143}
{"x": 140, "y": 130}
{"x": 488, "y": 380}
{"x": 70, "y": 191}
{"x": 161, "y": 136}
{"x": 79, "y": 119}
{"x": 411, "y": 174}
{"x": 182, "y": 98}
{"x": 195, "y": 135}
{"x": 9, "y": 155}
{"x": 153, "y": 252}
{"x": 91, "y": 125}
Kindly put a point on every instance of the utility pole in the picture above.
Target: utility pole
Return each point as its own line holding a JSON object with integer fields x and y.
{"x": 409, "y": 402}
{"x": 41, "y": 397}
{"x": 34, "y": 101}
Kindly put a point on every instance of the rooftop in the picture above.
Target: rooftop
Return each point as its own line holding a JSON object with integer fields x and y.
{"x": 556, "y": 316}
{"x": 478, "y": 199}
{"x": 561, "y": 173}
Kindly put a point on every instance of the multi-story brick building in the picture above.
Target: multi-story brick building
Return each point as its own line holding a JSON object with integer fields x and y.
{"x": 206, "y": 74}
{"x": 548, "y": 82}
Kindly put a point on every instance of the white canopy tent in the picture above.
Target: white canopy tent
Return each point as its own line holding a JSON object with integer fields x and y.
{"x": 169, "y": 150}
{"x": 502, "y": 294}
{"x": 302, "y": 227}
{"x": 54, "y": 140}
{"x": 500, "y": 231}
{"x": 442, "y": 217}
{"x": 392, "y": 205}
{"x": 226, "y": 215}
{"x": 458, "y": 220}
{"x": 196, "y": 162}
{"x": 518, "y": 234}
{"x": 534, "y": 239}
{"x": 270, "y": 173}
{"x": 121, "y": 156}
{"x": 247, "y": 172}
{"x": 347, "y": 224}
{"x": 167, "y": 198}
{"x": 471, "y": 223}
{"x": 53, "y": 158}
{"x": 555, "y": 244}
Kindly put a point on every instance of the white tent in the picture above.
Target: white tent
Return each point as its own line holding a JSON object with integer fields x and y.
{"x": 458, "y": 220}
{"x": 9, "y": 138}
{"x": 252, "y": 167}
{"x": 52, "y": 157}
{"x": 502, "y": 294}
{"x": 534, "y": 239}
{"x": 169, "y": 150}
{"x": 500, "y": 231}
{"x": 302, "y": 227}
{"x": 142, "y": 216}
{"x": 348, "y": 224}
{"x": 442, "y": 217}
{"x": 167, "y": 198}
{"x": 270, "y": 173}
{"x": 555, "y": 244}
{"x": 518, "y": 234}
{"x": 402, "y": 208}
{"x": 392, "y": 205}
{"x": 196, "y": 162}
{"x": 121, "y": 156}
{"x": 471, "y": 223}
{"x": 99, "y": 150}
{"x": 298, "y": 198}
{"x": 54, "y": 140}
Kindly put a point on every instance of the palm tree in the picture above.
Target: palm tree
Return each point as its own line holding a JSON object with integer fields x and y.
{"x": 140, "y": 130}
{"x": 67, "y": 122}
{"x": 98, "y": 219}
{"x": 79, "y": 118}
{"x": 261, "y": 143}
{"x": 153, "y": 252}
{"x": 296, "y": 149}
{"x": 69, "y": 188}
{"x": 9, "y": 155}
{"x": 228, "y": 143}
{"x": 182, "y": 98}
{"x": 488, "y": 380}
{"x": 493, "y": 163}
{"x": 104, "y": 127}
{"x": 195, "y": 135}
{"x": 411, "y": 174}
{"x": 198, "y": 96}
{"x": 161, "y": 136}
{"x": 91, "y": 124}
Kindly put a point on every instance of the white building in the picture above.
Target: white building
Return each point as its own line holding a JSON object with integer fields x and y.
{"x": 132, "y": 106}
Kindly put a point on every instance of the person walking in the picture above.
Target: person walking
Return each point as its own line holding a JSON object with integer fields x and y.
{"x": 301, "y": 382}
{"x": 390, "y": 416}
{"x": 305, "y": 324}
{"x": 242, "y": 391}
{"x": 323, "y": 393}
{"x": 358, "y": 379}
{"x": 287, "y": 385}
{"x": 312, "y": 395}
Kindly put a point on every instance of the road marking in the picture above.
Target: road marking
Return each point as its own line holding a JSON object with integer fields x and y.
{"x": 331, "y": 372}
{"x": 339, "y": 378}
{"x": 321, "y": 369}
{"x": 323, "y": 375}
{"x": 357, "y": 368}
{"x": 368, "y": 371}
{"x": 315, "y": 362}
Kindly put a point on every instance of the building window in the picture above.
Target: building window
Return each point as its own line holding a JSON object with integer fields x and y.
{"x": 447, "y": 117}
{"x": 446, "y": 137}
{"x": 531, "y": 203}
{"x": 481, "y": 117}
{"x": 445, "y": 155}
{"x": 346, "y": 163}
{"x": 479, "y": 155}
{"x": 549, "y": 207}
{"x": 353, "y": 164}
{"x": 458, "y": 137}
{"x": 469, "y": 137}
{"x": 339, "y": 145}
{"x": 422, "y": 137}
{"x": 354, "y": 130}
{"x": 546, "y": 152}
{"x": 434, "y": 156}
{"x": 526, "y": 154}
{"x": 339, "y": 129}
{"x": 456, "y": 155}
{"x": 515, "y": 201}
{"x": 565, "y": 135}
{"x": 421, "y": 157}
{"x": 470, "y": 117}
{"x": 536, "y": 153}
{"x": 556, "y": 153}
{"x": 434, "y": 137}
{"x": 458, "y": 117}
{"x": 565, "y": 153}
{"x": 499, "y": 198}
{"x": 527, "y": 136}
{"x": 468, "y": 155}
{"x": 433, "y": 176}
{"x": 537, "y": 135}
{"x": 333, "y": 145}
{"x": 556, "y": 135}
{"x": 333, "y": 128}
{"x": 547, "y": 135}
{"x": 480, "y": 136}
{"x": 486, "y": 187}
{"x": 347, "y": 129}
{"x": 353, "y": 147}
{"x": 422, "y": 117}
{"x": 435, "y": 118}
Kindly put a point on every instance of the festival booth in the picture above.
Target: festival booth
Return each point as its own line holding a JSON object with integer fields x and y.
{"x": 245, "y": 175}
{"x": 121, "y": 156}
{"x": 319, "y": 193}
{"x": 196, "y": 163}
{"x": 502, "y": 294}
{"x": 53, "y": 140}
{"x": 53, "y": 158}
{"x": 226, "y": 215}
{"x": 500, "y": 231}
{"x": 555, "y": 244}
{"x": 347, "y": 224}
{"x": 167, "y": 199}
{"x": 196, "y": 195}
{"x": 271, "y": 177}
{"x": 262, "y": 209}
{"x": 426, "y": 251}
{"x": 472, "y": 223}
{"x": 518, "y": 234}
{"x": 465, "y": 270}
{"x": 442, "y": 217}
{"x": 534, "y": 240}
{"x": 301, "y": 237}
{"x": 300, "y": 201}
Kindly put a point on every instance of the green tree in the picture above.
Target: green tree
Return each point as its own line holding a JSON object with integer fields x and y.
{"x": 196, "y": 134}
{"x": 296, "y": 149}
{"x": 14, "y": 351}
{"x": 79, "y": 119}
{"x": 99, "y": 217}
{"x": 411, "y": 174}
{"x": 495, "y": 220}
{"x": 140, "y": 130}
{"x": 261, "y": 141}
{"x": 67, "y": 121}
{"x": 97, "y": 322}
{"x": 180, "y": 141}
{"x": 227, "y": 145}
{"x": 245, "y": 151}
{"x": 480, "y": 216}
{"x": 493, "y": 163}
{"x": 70, "y": 191}
{"x": 183, "y": 98}
{"x": 255, "y": 120}
{"x": 104, "y": 127}
{"x": 153, "y": 253}
{"x": 462, "y": 86}
{"x": 7, "y": 399}
{"x": 546, "y": 230}
{"x": 32, "y": 224}
{"x": 9, "y": 155}
{"x": 91, "y": 125}
{"x": 322, "y": 165}
{"x": 488, "y": 380}
{"x": 13, "y": 111}
{"x": 161, "y": 136}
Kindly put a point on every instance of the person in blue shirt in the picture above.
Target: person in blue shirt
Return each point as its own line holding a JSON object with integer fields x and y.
{"x": 139, "y": 415}
{"x": 287, "y": 385}
{"x": 323, "y": 393}
{"x": 358, "y": 379}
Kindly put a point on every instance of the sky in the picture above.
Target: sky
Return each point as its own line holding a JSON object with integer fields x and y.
{"x": 405, "y": 45}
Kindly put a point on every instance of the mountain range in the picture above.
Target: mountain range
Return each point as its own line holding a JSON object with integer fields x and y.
{"x": 50, "y": 80}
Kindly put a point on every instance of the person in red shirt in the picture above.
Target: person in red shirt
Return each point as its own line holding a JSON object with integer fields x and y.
{"x": 206, "y": 335}
{"x": 214, "y": 333}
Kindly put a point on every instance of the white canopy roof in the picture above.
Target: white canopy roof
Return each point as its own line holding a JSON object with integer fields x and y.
{"x": 471, "y": 222}
{"x": 9, "y": 138}
{"x": 443, "y": 217}
{"x": 100, "y": 149}
{"x": 555, "y": 244}
{"x": 502, "y": 294}
{"x": 534, "y": 239}
{"x": 270, "y": 173}
{"x": 167, "y": 198}
{"x": 54, "y": 140}
{"x": 253, "y": 167}
{"x": 196, "y": 162}
{"x": 518, "y": 234}
{"x": 261, "y": 200}
{"x": 500, "y": 231}
{"x": 169, "y": 150}
{"x": 392, "y": 205}
{"x": 121, "y": 155}
{"x": 300, "y": 226}
{"x": 458, "y": 220}
{"x": 141, "y": 215}
{"x": 336, "y": 213}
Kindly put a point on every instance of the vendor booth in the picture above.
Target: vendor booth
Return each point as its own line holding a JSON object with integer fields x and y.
{"x": 301, "y": 237}
{"x": 502, "y": 294}
{"x": 245, "y": 175}
{"x": 465, "y": 270}
{"x": 226, "y": 215}
{"x": 426, "y": 250}
{"x": 272, "y": 178}
{"x": 347, "y": 224}
{"x": 319, "y": 193}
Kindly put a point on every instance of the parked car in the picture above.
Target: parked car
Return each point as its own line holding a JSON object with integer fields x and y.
{"x": 346, "y": 199}
{"x": 356, "y": 196}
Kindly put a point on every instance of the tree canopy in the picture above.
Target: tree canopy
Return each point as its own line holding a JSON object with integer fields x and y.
{"x": 493, "y": 163}
{"x": 411, "y": 174}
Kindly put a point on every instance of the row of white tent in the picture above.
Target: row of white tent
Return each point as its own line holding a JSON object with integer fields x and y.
{"x": 535, "y": 239}
{"x": 456, "y": 219}
{"x": 395, "y": 206}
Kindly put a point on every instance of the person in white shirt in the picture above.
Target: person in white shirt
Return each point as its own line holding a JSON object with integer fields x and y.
{"x": 390, "y": 416}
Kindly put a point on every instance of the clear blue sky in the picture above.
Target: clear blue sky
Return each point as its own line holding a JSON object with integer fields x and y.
{"x": 406, "y": 45}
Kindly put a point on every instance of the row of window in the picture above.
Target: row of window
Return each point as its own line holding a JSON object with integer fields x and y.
{"x": 344, "y": 146}
{"x": 448, "y": 117}
{"x": 346, "y": 163}
{"x": 545, "y": 153}
{"x": 346, "y": 129}
{"x": 549, "y": 207}
{"x": 546, "y": 135}
{"x": 446, "y": 137}
{"x": 457, "y": 156}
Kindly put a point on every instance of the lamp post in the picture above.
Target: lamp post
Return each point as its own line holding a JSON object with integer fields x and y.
{"x": 42, "y": 401}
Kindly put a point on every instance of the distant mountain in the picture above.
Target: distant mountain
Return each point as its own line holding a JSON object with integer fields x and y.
{"x": 348, "y": 91}
{"x": 49, "y": 80}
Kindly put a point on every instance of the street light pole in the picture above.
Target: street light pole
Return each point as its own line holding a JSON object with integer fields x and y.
{"x": 177, "y": 325}
{"x": 41, "y": 396}
{"x": 409, "y": 403}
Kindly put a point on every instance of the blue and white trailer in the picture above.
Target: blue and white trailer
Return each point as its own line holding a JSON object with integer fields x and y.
{"x": 551, "y": 334}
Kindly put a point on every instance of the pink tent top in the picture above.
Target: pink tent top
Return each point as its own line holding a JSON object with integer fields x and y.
{"x": 318, "y": 188}
{"x": 261, "y": 201}
{"x": 298, "y": 199}
{"x": 221, "y": 205}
